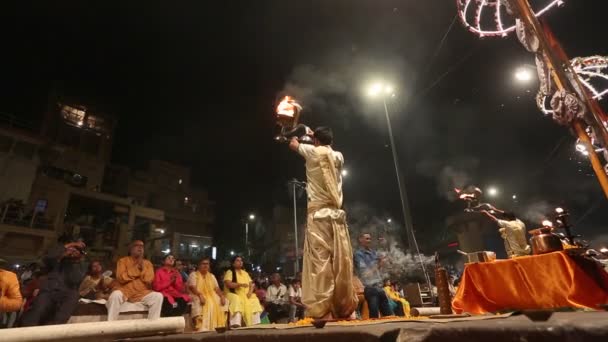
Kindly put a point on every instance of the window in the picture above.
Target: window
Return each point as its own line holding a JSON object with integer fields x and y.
{"x": 73, "y": 115}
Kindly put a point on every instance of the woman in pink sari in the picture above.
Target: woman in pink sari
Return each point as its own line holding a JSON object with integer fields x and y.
{"x": 168, "y": 281}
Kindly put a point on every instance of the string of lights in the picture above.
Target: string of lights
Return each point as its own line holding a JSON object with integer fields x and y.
{"x": 476, "y": 8}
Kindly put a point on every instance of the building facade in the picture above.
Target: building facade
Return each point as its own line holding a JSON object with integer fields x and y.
{"x": 189, "y": 214}
{"x": 50, "y": 187}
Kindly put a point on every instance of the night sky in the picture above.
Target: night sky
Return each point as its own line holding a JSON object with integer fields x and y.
{"x": 195, "y": 82}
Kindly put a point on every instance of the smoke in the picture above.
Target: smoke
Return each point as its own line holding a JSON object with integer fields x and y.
{"x": 307, "y": 82}
{"x": 388, "y": 241}
{"x": 455, "y": 174}
{"x": 336, "y": 85}
{"x": 536, "y": 212}
{"x": 402, "y": 265}
{"x": 311, "y": 86}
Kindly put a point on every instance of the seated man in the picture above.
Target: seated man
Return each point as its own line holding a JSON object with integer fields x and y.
{"x": 296, "y": 308}
{"x": 277, "y": 299}
{"x": 58, "y": 295}
{"x": 367, "y": 267}
{"x": 134, "y": 275}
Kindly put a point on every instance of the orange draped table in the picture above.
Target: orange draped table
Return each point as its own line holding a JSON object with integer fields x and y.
{"x": 548, "y": 281}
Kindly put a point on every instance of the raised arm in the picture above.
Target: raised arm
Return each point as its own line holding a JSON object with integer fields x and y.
{"x": 492, "y": 217}
{"x": 294, "y": 144}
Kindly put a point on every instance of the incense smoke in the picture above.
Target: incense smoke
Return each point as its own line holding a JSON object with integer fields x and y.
{"x": 311, "y": 85}
{"x": 536, "y": 212}
{"x": 456, "y": 174}
{"x": 387, "y": 240}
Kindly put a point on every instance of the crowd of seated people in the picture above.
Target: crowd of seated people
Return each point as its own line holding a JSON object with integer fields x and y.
{"x": 50, "y": 293}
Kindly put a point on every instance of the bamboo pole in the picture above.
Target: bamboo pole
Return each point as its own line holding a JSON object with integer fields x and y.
{"x": 558, "y": 67}
{"x": 595, "y": 160}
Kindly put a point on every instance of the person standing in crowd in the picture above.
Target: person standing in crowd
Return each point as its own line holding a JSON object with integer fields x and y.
{"x": 367, "y": 266}
{"x": 168, "y": 281}
{"x": 58, "y": 295}
{"x": 95, "y": 285}
{"x": 238, "y": 287}
{"x": 10, "y": 296}
{"x": 401, "y": 307}
{"x": 134, "y": 275}
{"x": 296, "y": 308}
{"x": 208, "y": 301}
{"x": 327, "y": 283}
{"x": 276, "y": 299}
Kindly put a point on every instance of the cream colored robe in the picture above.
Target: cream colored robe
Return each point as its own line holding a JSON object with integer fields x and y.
{"x": 327, "y": 275}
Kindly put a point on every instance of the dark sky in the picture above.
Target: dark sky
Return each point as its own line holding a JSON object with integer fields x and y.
{"x": 196, "y": 82}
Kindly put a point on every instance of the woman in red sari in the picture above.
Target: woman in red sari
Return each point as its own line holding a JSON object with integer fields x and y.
{"x": 168, "y": 281}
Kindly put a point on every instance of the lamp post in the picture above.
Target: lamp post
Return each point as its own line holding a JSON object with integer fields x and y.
{"x": 250, "y": 218}
{"x": 384, "y": 90}
{"x": 302, "y": 185}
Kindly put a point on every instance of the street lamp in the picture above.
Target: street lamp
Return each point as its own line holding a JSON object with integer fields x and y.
{"x": 384, "y": 90}
{"x": 251, "y": 218}
{"x": 493, "y": 192}
{"x": 344, "y": 172}
{"x": 524, "y": 73}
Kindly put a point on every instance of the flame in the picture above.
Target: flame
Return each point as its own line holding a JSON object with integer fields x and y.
{"x": 457, "y": 190}
{"x": 288, "y": 107}
{"x": 547, "y": 223}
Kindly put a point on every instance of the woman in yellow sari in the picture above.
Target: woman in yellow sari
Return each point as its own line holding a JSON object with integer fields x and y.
{"x": 244, "y": 304}
{"x": 393, "y": 295}
{"x": 208, "y": 301}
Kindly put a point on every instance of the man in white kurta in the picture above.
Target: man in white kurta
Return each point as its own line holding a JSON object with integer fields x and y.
{"x": 327, "y": 277}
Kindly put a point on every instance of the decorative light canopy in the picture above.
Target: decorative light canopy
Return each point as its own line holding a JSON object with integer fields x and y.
{"x": 592, "y": 73}
{"x": 487, "y": 17}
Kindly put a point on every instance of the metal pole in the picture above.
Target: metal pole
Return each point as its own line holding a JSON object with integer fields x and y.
{"x": 407, "y": 221}
{"x": 411, "y": 238}
{"x": 247, "y": 239}
{"x": 295, "y": 229}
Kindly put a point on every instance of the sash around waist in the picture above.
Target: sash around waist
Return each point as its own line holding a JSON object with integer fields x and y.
{"x": 325, "y": 211}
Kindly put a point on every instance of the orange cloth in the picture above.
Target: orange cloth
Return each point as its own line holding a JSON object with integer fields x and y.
{"x": 135, "y": 284}
{"x": 553, "y": 280}
{"x": 10, "y": 296}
